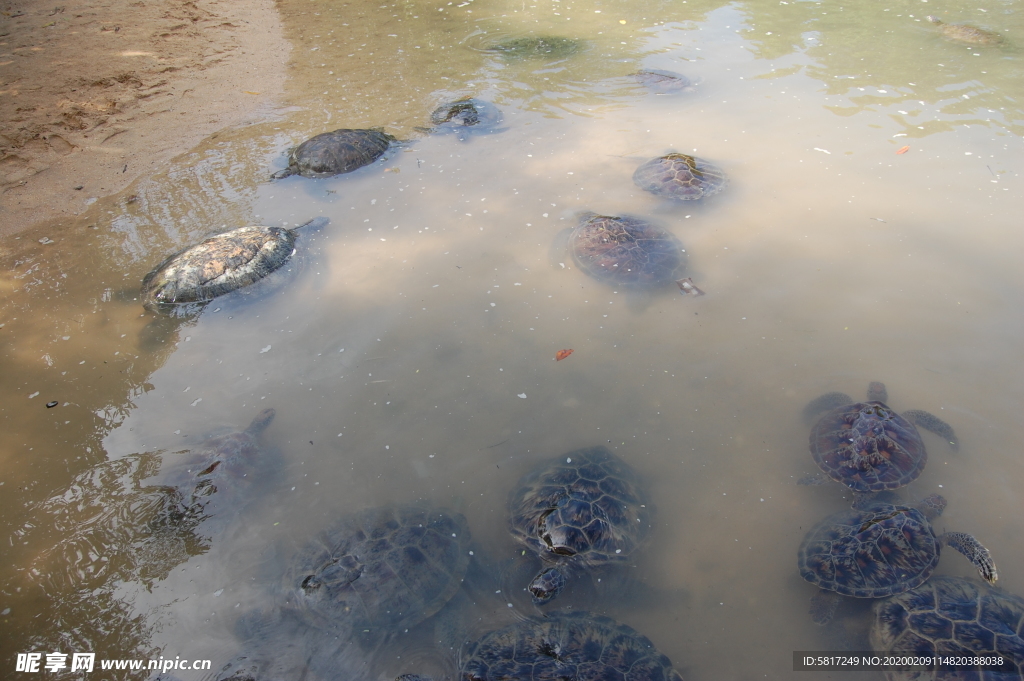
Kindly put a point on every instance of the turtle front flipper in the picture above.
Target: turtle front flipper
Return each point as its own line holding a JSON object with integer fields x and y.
{"x": 934, "y": 424}
{"x": 826, "y": 402}
{"x": 548, "y": 584}
{"x": 824, "y": 605}
{"x": 814, "y": 479}
{"x": 287, "y": 172}
{"x": 975, "y": 552}
{"x": 261, "y": 421}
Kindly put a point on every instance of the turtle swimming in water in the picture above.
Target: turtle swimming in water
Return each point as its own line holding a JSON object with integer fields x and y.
{"x": 952, "y": 616}
{"x": 965, "y": 33}
{"x": 336, "y": 152}
{"x": 878, "y": 549}
{"x": 221, "y": 264}
{"x": 466, "y": 117}
{"x": 624, "y": 251}
{"x": 584, "y": 509}
{"x": 867, "y": 446}
{"x": 680, "y": 176}
{"x": 537, "y": 47}
{"x": 661, "y": 82}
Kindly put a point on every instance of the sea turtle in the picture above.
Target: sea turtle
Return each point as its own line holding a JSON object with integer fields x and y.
{"x": 866, "y": 445}
{"x": 624, "y": 251}
{"x": 582, "y": 510}
{"x": 966, "y": 33}
{"x": 680, "y": 176}
{"x": 661, "y": 82}
{"x": 465, "y": 117}
{"x": 957, "y": 617}
{"x": 220, "y": 264}
{"x": 878, "y": 549}
{"x": 380, "y": 570}
{"x": 336, "y": 152}
{"x": 566, "y": 645}
{"x": 542, "y": 47}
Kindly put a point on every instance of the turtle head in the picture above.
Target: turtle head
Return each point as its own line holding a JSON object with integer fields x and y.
{"x": 932, "y": 506}
{"x": 877, "y": 392}
{"x": 548, "y": 584}
{"x": 934, "y": 19}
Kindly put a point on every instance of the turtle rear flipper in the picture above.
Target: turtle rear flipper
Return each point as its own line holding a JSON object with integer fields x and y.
{"x": 826, "y": 402}
{"x": 974, "y": 551}
{"x": 286, "y": 172}
{"x": 934, "y": 424}
{"x": 824, "y": 605}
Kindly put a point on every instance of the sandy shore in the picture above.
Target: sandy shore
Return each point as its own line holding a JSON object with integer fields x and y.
{"x": 96, "y": 94}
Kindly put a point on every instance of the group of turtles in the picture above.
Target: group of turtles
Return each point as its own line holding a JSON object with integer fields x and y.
{"x": 883, "y": 548}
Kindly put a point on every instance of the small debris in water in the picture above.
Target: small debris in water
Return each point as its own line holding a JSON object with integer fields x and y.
{"x": 37, "y": 392}
{"x": 51, "y": 405}
{"x": 79, "y": 187}
{"x": 46, "y": 240}
{"x": 562, "y": 354}
{"x": 266, "y": 349}
{"x": 686, "y": 287}
{"x": 903, "y": 150}
{"x": 522, "y": 395}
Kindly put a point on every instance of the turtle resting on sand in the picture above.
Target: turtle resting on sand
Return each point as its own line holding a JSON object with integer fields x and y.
{"x": 879, "y": 549}
{"x": 336, "y": 152}
{"x": 221, "y": 264}
{"x": 966, "y": 33}
{"x": 680, "y": 176}
{"x": 867, "y": 446}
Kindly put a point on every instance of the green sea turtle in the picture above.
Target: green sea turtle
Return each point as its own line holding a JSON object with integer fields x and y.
{"x": 867, "y": 446}
{"x": 623, "y": 250}
{"x": 220, "y": 264}
{"x": 583, "y": 510}
{"x": 966, "y": 33}
{"x": 680, "y": 176}
{"x": 537, "y": 47}
{"x": 957, "y": 617}
{"x": 662, "y": 82}
{"x": 336, "y": 152}
{"x": 878, "y": 549}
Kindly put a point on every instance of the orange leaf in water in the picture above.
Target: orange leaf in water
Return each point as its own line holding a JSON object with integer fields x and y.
{"x": 562, "y": 354}
{"x": 903, "y": 150}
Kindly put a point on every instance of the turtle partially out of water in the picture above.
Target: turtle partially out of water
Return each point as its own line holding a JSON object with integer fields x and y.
{"x": 466, "y": 117}
{"x": 538, "y": 47}
{"x": 561, "y": 646}
{"x": 867, "y": 446}
{"x": 336, "y": 152}
{"x": 582, "y": 510}
{"x": 661, "y": 82}
{"x": 625, "y": 251}
{"x": 221, "y": 264}
{"x": 879, "y": 549}
{"x": 955, "y": 617}
{"x": 965, "y": 33}
{"x": 680, "y": 176}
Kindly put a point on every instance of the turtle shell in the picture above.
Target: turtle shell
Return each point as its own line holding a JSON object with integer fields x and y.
{"x": 574, "y": 645}
{"x": 625, "y": 251}
{"x": 382, "y": 569}
{"x": 952, "y": 616}
{"x": 662, "y": 82}
{"x": 965, "y": 33}
{"x": 868, "y": 447}
{"x": 219, "y": 265}
{"x": 336, "y": 152}
{"x": 680, "y": 176}
{"x": 879, "y": 551}
{"x": 587, "y": 505}
{"x": 466, "y": 115}
{"x": 543, "y": 47}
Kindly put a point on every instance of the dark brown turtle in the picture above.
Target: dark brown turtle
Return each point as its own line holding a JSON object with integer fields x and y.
{"x": 879, "y": 549}
{"x": 466, "y": 117}
{"x": 625, "y": 251}
{"x": 965, "y": 33}
{"x": 537, "y": 47}
{"x": 867, "y": 446}
{"x": 680, "y": 176}
{"x": 582, "y": 510}
{"x": 662, "y": 82}
{"x": 221, "y": 264}
{"x": 336, "y": 152}
{"x": 956, "y": 617}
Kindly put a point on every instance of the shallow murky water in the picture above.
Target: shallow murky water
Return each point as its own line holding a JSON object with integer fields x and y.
{"x": 409, "y": 348}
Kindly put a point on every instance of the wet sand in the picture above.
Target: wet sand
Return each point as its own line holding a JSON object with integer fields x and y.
{"x": 94, "y": 95}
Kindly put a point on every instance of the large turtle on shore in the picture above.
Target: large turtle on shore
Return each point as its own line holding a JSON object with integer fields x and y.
{"x": 336, "y": 152}
{"x": 585, "y": 509}
{"x": 955, "y": 617}
{"x": 680, "y": 176}
{"x": 879, "y": 549}
{"x": 624, "y": 251}
{"x": 220, "y": 264}
{"x": 965, "y": 33}
{"x": 867, "y": 446}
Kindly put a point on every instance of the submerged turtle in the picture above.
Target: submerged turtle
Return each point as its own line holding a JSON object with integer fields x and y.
{"x": 542, "y": 46}
{"x": 584, "y": 509}
{"x": 952, "y": 616}
{"x": 879, "y": 549}
{"x": 866, "y": 445}
{"x": 336, "y": 152}
{"x": 966, "y": 33}
{"x": 573, "y": 645}
{"x": 380, "y": 570}
{"x": 661, "y": 82}
{"x": 465, "y": 117}
{"x": 680, "y": 176}
{"x": 219, "y": 265}
{"x": 625, "y": 251}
